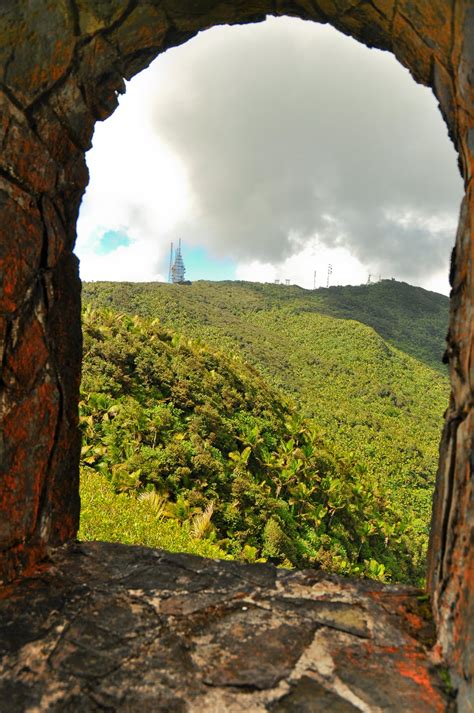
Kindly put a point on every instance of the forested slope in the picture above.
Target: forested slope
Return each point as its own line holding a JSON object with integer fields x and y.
{"x": 373, "y": 411}
{"x": 410, "y": 318}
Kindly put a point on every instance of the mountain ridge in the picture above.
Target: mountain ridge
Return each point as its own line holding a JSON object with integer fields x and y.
{"x": 384, "y": 306}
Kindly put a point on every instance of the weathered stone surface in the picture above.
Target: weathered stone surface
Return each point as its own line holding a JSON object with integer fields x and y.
{"x": 451, "y": 556}
{"x": 37, "y": 46}
{"x": 20, "y": 256}
{"x": 126, "y": 628}
{"x": 62, "y": 64}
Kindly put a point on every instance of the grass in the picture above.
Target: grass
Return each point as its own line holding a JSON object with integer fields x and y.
{"x": 119, "y": 517}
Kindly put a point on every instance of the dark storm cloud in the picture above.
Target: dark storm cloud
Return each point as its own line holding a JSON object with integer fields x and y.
{"x": 289, "y": 130}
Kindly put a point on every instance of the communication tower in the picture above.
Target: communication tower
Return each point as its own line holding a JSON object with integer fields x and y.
{"x": 329, "y": 274}
{"x": 178, "y": 269}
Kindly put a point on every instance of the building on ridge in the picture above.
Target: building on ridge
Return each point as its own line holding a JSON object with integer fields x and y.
{"x": 178, "y": 269}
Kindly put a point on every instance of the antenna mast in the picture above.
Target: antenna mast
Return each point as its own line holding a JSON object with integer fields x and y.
{"x": 177, "y": 268}
{"x": 329, "y": 274}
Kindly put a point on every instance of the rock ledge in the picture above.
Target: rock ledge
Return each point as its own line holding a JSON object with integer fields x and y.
{"x": 110, "y": 627}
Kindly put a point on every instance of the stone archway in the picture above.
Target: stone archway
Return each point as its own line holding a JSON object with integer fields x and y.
{"x": 62, "y": 66}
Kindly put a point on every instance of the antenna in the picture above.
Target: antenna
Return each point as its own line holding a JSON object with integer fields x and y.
{"x": 369, "y": 279}
{"x": 171, "y": 263}
{"x": 177, "y": 268}
{"x": 329, "y": 274}
{"x": 314, "y": 280}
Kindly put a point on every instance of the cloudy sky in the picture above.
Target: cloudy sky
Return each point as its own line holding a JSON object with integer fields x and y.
{"x": 272, "y": 150}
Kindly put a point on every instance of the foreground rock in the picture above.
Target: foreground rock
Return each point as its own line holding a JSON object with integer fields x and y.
{"x": 109, "y": 627}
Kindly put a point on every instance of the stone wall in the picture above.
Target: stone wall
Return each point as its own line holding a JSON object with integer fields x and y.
{"x": 173, "y": 633}
{"x": 62, "y": 64}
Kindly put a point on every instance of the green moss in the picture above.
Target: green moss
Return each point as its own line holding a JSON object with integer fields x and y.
{"x": 445, "y": 676}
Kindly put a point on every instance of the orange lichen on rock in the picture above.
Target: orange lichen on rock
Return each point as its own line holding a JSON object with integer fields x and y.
{"x": 29, "y": 355}
{"x": 62, "y": 65}
{"x": 413, "y": 667}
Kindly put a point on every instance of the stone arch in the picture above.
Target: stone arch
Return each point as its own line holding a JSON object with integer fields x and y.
{"x": 62, "y": 67}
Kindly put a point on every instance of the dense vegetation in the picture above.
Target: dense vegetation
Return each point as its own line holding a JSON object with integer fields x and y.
{"x": 409, "y": 318}
{"x": 341, "y": 477}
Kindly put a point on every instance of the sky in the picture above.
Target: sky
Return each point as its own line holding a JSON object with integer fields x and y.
{"x": 272, "y": 150}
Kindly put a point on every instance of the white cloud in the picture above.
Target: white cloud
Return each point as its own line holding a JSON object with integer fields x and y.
{"x": 137, "y": 186}
{"x": 299, "y": 267}
{"x": 260, "y": 143}
{"x": 136, "y": 262}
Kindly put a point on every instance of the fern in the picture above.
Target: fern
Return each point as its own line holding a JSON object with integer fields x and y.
{"x": 157, "y": 503}
{"x": 201, "y": 523}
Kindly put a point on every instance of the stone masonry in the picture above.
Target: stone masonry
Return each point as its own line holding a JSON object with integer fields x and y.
{"x": 62, "y": 66}
{"x": 111, "y": 627}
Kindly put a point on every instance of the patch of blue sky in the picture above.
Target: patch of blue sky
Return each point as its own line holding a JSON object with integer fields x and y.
{"x": 111, "y": 240}
{"x": 202, "y": 266}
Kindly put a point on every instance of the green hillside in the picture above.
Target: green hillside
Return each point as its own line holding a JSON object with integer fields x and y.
{"x": 410, "y": 318}
{"x": 208, "y": 458}
{"x": 376, "y": 409}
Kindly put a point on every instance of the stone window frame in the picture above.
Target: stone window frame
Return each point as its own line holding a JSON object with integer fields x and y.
{"x": 62, "y": 66}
